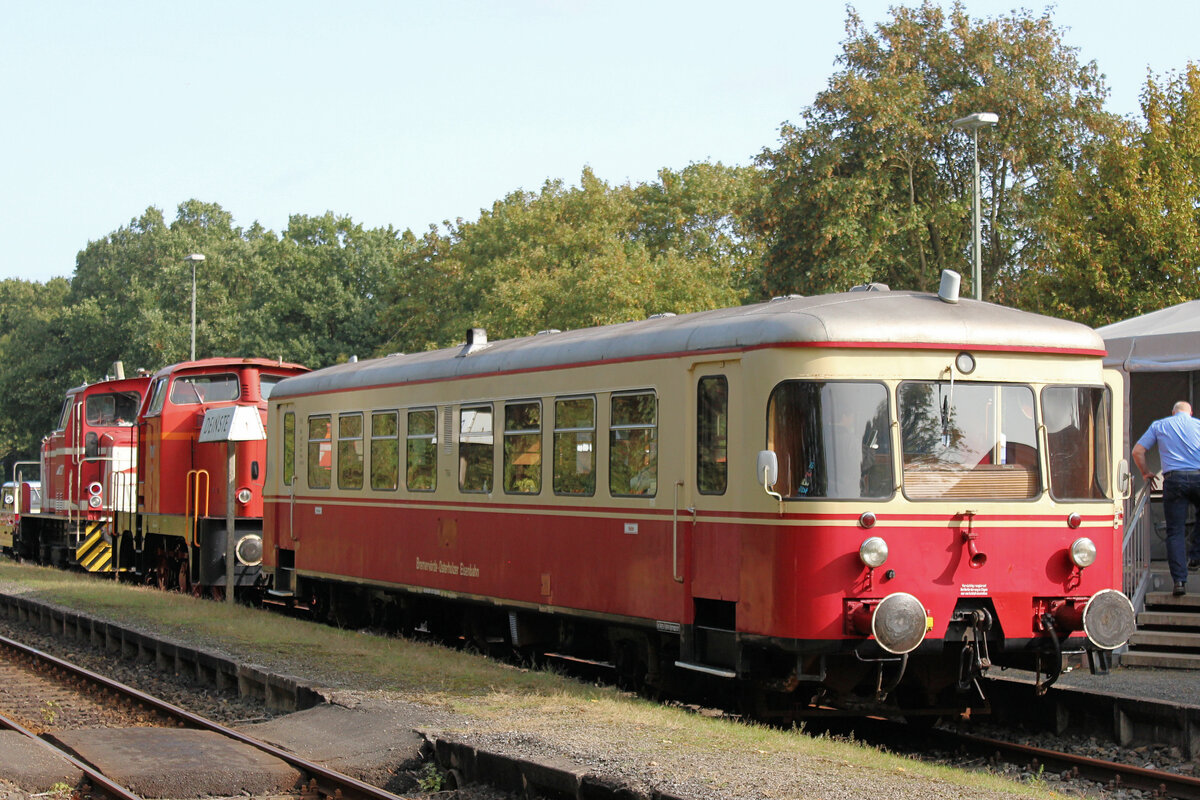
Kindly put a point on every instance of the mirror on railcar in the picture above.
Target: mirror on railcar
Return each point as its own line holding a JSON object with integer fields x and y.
{"x": 1124, "y": 478}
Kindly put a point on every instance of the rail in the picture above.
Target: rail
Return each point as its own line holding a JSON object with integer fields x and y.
{"x": 1135, "y": 549}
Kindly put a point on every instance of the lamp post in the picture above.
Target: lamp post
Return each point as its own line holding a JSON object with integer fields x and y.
{"x": 973, "y": 123}
{"x": 194, "y": 258}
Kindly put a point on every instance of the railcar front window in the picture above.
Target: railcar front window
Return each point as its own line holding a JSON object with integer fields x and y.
{"x": 968, "y": 440}
{"x": 1079, "y": 438}
{"x": 320, "y": 452}
{"x": 523, "y": 448}
{"x": 633, "y": 445}
{"x": 475, "y": 449}
{"x": 832, "y": 439}
{"x": 193, "y": 389}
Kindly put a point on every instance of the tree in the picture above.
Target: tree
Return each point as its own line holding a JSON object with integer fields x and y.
{"x": 874, "y": 185}
{"x": 1123, "y": 235}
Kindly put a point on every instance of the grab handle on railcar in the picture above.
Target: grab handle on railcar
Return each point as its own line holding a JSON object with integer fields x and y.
{"x": 768, "y": 472}
{"x": 675, "y": 536}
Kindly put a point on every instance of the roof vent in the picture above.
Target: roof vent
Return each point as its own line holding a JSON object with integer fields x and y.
{"x": 871, "y": 287}
{"x": 662, "y": 315}
{"x": 352, "y": 360}
{"x": 783, "y": 297}
{"x": 476, "y": 341}
{"x": 948, "y": 290}
{"x": 548, "y": 331}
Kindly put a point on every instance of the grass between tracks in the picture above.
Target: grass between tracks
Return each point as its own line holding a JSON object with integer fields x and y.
{"x": 498, "y": 696}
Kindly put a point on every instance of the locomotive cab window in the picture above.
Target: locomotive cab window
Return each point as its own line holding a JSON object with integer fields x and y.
{"x": 1078, "y": 423}
{"x": 712, "y": 434}
{"x": 320, "y": 452}
{"x": 158, "y": 396}
{"x": 968, "y": 440}
{"x": 523, "y": 448}
{"x": 193, "y": 389}
{"x": 832, "y": 439}
{"x": 112, "y": 408}
{"x": 385, "y": 450}
{"x": 633, "y": 445}
{"x": 350, "y": 451}
{"x": 65, "y": 416}
{"x": 575, "y": 446}
{"x": 421, "y": 473}
{"x": 475, "y": 449}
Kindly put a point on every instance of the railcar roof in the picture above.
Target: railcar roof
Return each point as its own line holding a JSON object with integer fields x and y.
{"x": 861, "y": 318}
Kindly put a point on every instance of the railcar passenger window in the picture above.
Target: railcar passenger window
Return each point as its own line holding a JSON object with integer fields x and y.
{"x": 712, "y": 434}
{"x": 523, "y": 448}
{"x": 575, "y": 446}
{"x": 289, "y": 448}
{"x": 475, "y": 449}
{"x": 422, "y": 451}
{"x": 385, "y": 450}
{"x": 633, "y": 445}
{"x": 832, "y": 439}
{"x": 192, "y": 389}
{"x": 1079, "y": 437}
{"x": 350, "y": 451}
{"x": 320, "y": 452}
{"x": 968, "y": 440}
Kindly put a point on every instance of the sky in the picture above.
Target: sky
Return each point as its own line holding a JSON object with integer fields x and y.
{"x": 407, "y": 114}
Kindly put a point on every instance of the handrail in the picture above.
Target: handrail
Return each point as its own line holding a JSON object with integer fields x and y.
{"x": 675, "y": 536}
{"x": 188, "y": 492}
{"x": 1135, "y": 549}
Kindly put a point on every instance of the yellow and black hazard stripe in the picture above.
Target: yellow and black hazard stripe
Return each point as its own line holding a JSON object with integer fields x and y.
{"x": 95, "y": 551}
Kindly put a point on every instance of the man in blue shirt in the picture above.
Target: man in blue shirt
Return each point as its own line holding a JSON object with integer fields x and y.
{"x": 1178, "y": 441}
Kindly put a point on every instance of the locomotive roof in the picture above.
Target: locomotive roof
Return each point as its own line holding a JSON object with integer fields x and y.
{"x": 204, "y": 364}
{"x": 851, "y": 319}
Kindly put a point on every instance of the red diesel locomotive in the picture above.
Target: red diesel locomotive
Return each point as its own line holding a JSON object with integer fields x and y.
{"x": 135, "y": 484}
{"x": 824, "y": 500}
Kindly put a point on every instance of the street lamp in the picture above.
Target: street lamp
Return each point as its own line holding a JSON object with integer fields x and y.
{"x": 194, "y": 258}
{"x": 973, "y": 123}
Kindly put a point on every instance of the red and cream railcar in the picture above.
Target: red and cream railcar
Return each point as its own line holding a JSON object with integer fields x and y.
{"x": 176, "y": 534}
{"x": 826, "y": 497}
{"x": 19, "y": 497}
{"x": 87, "y": 466}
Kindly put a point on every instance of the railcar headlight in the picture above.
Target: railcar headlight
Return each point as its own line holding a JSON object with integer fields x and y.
{"x": 244, "y": 496}
{"x": 873, "y": 552}
{"x": 1083, "y": 552}
{"x": 94, "y": 501}
{"x": 95, "y": 487}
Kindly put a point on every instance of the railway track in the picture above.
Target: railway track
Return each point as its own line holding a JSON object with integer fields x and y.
{"x": 64, "y": 695}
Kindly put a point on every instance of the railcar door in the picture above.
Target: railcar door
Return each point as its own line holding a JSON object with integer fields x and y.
{"x": 713, "y": 549}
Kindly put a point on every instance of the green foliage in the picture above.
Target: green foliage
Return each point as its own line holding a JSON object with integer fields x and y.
{"x": 1123, "y": 235}
{"x": 874, "y": 185}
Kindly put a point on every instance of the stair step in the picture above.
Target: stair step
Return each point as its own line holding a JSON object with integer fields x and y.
{"x": 1150, "y": 658}
{"x": 1165, "y": 639}
{"x": 1183, "y": 618}
{"x": 1191, "y": 600}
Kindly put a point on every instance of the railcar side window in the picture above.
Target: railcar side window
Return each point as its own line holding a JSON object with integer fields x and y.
{"x": 832, "y": 439}
{"x": 523, "y": 448}
{"x": 475, "y": 449}
{"x": 422, "y": 451}
{"x": 266, "y": 384}
{"x": 320, "y": 452}
{"x": 192, "y": 389}
{"x": 575, "y": 446}
{"x": 385, "y": 450}
{"x": 350, "y": 451}
{"x": 633, "y": 445}
{"x": 968, "y": 440}
{"x": 289, "y": 448}
{"x": 712, "y": 434}
{"x": 1078, "y": 435}
{"x": 65, "y": 416}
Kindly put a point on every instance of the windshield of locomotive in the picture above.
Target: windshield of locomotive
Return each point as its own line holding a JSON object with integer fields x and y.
{"x": 192, "y": 389}
{"x": 1079, "y": 438}
{"x": 831, "y": 439}
{"x": 968, "y": 440}
{"x": 115, "y": 408}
